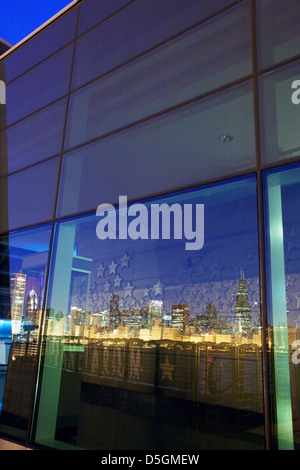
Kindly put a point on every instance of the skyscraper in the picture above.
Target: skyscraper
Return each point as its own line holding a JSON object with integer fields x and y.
{"x": 242, "y": 320}
{"x": 18, "y": 283}
{"x": 180, "y": 316}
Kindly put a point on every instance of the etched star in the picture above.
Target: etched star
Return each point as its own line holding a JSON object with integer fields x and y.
{"x": 125, "y": 260}
{"x": 128, "y": 290}
{"x": 101, "y": 270}
{"x": 158, "y": 288}
{"x": 112, "y": 267}
{"x": 107, "y": 287}
{"x": 146, "y": 292}
{"x": 117, "y": 281}
{"x": 167, "y": 370}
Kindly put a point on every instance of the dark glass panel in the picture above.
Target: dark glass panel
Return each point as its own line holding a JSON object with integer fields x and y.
{"x": 43, "y": 84}
{"x": 190, "y": 65}
{"x": 93, "y": 12}
{"x": 278, "y": 30}
{"x": 23, "y": 264}
{"x": 209, "y": 138}
{"x": 55, "y": 36}
{"x": 134, "y": 30}
{"x": 32, "y": 139}
{"x": 27, "y": 197}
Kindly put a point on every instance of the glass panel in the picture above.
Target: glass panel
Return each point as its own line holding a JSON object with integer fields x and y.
{"x": 27, "y": 197}
{"x": 280, "y": 117}
{"x": 23, "y": 264}
{"x": 283, "y": 267}
{"x": 140, "y": 26}
{"x": 151, "y": 345}
{"x": 38, "y": 48}
{"x": 91, "y": 12}
{"x": 190, "y": 65}
{"x": 277, "y": 30}
{"x": 209, "y": 138}
{"x": 40, "y": 86}
{"x": 32, "y": 139}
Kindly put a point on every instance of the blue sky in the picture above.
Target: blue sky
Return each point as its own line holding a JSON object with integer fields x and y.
{"x": 18, "y": 18}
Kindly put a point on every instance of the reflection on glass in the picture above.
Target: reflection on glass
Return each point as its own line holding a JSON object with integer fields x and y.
{"x": 280, "y": 117}
{"x": 23, "y": 261}
{"x": 209, "y": 138}
{"x": 171, "y": 74}
{"x": 32, "y": 139}
{"x": 140, "y": 26}
{"x": 38, "y": 87}
{"x": 159, "y": 346}
{"x": 278, "y": 30}
{"x": 283, "y": 198}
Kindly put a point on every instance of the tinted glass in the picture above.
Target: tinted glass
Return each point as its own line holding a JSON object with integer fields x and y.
{"x": 23, "y": 264}
{"x": 173, "y": 73}
{"x": 32, "y": 139}
{"x": 27, "y": 197}
{"x": 209, "y": 138}
{"x": 283, "y": 262}
{"x": 39, "y": 86}
{"x": 133, "y": 30}
{"x": 93, "y": 12}
{"x": 280, "y": 117}
{"x": 38, "y": 48}
{"x": 278, "y": 30}
{"x": 150, "y": 345}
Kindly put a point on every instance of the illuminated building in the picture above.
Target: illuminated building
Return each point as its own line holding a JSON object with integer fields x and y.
{"x": 183, "y": 103}
{"x": 242, "y": 317}
{"x": 18, "y": 285}
{"x": 180, "y": 316}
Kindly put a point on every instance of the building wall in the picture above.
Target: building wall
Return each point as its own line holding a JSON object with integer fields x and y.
{"x": 177, "y": 103}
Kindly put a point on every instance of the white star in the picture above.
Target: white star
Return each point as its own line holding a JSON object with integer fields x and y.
{"x": 107, "y": 287}
{"x": 125, "y": 260}
{"x": 146, "y": 292}
{"x": 297, "y": 297}
{"x": 158, "y": 288}
{"x": 128, "y": 290}
{"x": 101, "y": 270}
{"x": 117, "y": 281}
{"x": 112, "y": 267}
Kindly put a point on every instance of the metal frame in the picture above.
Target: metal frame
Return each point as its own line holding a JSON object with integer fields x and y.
{"x": 257, "y": 169}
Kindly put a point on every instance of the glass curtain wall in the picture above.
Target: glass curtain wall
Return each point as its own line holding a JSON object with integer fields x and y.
{"x": 139, "y": 342}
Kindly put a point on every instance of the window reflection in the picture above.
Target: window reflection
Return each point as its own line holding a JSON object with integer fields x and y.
{"x": 23, "y": 263}
{"x": 171, "y": 74}
{"x": 153, "y": 340}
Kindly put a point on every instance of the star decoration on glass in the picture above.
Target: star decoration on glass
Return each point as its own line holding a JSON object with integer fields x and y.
{"x": 100, "y": 270}
{"x": 128, "y": 290}
{"x": 158, "y": 288}
{"x": 112, "y": 267}
{"x": 125, "y": 261}
{"x": 117, "y": 281}
{"x": 107, "y": 287}
{"x": 146, "y": 292}
{"x": 167, "y": 369}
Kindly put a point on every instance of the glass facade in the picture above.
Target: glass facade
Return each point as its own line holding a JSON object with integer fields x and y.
{"x": 149, "y": 237}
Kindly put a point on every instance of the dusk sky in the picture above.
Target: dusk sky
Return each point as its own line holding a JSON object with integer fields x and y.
{"x": 20, "y": 17}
